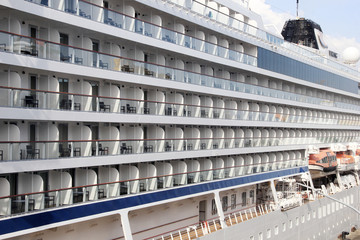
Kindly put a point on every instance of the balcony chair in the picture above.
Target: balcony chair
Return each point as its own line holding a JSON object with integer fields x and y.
{"x": 31, "y": 152}
{"x": 64, "y": 151}
{"x": 104, "y": 107}
{"x": 30, "y": 101}
{"x": 103, "y": 65}
{"x": 65, "y": 104}
{"x": 130, "y": 109}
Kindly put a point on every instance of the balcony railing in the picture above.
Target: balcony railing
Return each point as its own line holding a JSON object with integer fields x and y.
{"x": 91, "y": 11}
{"x": 41, "y": 99}
{"x": 27, "y": 150}
{"x": 58, "y": 52}
{"x": 34, "y": 201}
{"x": 243, "y": 27}
{"x": 209, "y": 226}
{"x": 104, "y": 15}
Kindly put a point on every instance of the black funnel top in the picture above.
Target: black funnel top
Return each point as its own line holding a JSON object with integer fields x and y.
{"x": 301, "y": 31}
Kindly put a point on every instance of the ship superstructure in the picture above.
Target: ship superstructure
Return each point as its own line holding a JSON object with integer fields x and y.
{"x": 137, "y": 119}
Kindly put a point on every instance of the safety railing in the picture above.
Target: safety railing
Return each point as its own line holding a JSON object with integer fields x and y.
{"x": 238, "y": 25}
{"x": 29, "y": 150}
{"x": 34, "y": 47}
{"x": 212, "y": 225}
{"x": 42, "y": 99}
{"x": 117, "y": 19}
{"x": 28, "y": 202}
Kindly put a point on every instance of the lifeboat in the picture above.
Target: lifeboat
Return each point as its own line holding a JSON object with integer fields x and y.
{"x": 324, "y": 161}
{"x": 345, "y": 162}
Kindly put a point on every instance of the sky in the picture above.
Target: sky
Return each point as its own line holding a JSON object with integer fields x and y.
{"x": 339, "y": 19}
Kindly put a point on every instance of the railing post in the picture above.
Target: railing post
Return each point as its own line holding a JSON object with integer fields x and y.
{"x": 203, "y": 229}
{"x": 10, "y": 151}
{"x": 96, "y": 148}
{"x": 196, "y": 233}
{"x": 180, "y": 235}
{"x": 208, "y": 226}
{"x": 9, "y": 207}
{"x": 57, "y": 198}
{"x": 107, "y": 190}
{"x": 84, "y": 194}
{"x": 215, "y": 225}
{"x": 26, "y": 203}
{"x": 188, "y": 233}
{"x": 256, "y": 214}
{"x": 11, "y": 100}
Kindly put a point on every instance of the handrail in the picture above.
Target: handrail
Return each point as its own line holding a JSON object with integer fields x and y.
{"x": 162, "y": 27}
{"x": 298, "y": 48}
{"x": 242, "y": 210}
{"x": 281, "y": 114}
{"x": 154, "y": 177}
{"x": 173, "y": 139}
{"x": 243, "y": 85}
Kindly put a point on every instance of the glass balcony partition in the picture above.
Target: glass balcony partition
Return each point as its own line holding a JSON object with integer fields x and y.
{"x": 120, "y": 20}
{"x": 49, "y": 50}
{"x": 29, "y": 202}
{"x": 117, "y": 19}
{"x": 238, "y": 25}
{"x": 52, "y": 149}
{"x": 41, "y": 99}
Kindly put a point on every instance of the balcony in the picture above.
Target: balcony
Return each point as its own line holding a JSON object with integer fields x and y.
{"x": 120, "y": 20}
{"x": 16, "y": 43}
{"x": 50, "y": 100}
{"x": 53, "y": 149}
{"x": 152, "y": 178}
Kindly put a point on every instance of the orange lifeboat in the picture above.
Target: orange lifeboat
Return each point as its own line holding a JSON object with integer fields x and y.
{"x": 346, "y": 162}
{"x": 344, "y": 158}
{"x": 358, "y": 152}
{"x": 324, "y": 161}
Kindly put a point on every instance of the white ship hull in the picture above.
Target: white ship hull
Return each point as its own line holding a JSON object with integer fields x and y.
{"x": 152, "y": 119}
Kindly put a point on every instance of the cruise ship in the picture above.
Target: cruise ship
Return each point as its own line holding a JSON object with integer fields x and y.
{"x": 173, "y": 119}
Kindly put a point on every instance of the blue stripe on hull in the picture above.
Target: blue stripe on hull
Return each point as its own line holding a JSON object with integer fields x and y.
{"x": 58, "y": 215}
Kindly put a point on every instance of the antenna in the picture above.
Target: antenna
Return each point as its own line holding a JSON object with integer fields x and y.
{"x": 297, "y": 8}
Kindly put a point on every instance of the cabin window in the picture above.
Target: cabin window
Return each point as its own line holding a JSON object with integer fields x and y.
{"x": 225, "y": 203}
{"x": 252, "y": 196}
{"x": 233, "y": 201}
{"x": 243, "y": 199}
{"x": 213, "y": 207}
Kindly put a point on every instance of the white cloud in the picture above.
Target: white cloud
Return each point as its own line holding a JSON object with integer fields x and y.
{"x": 339, "y": 44}
{"x": 274, "y": 23}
